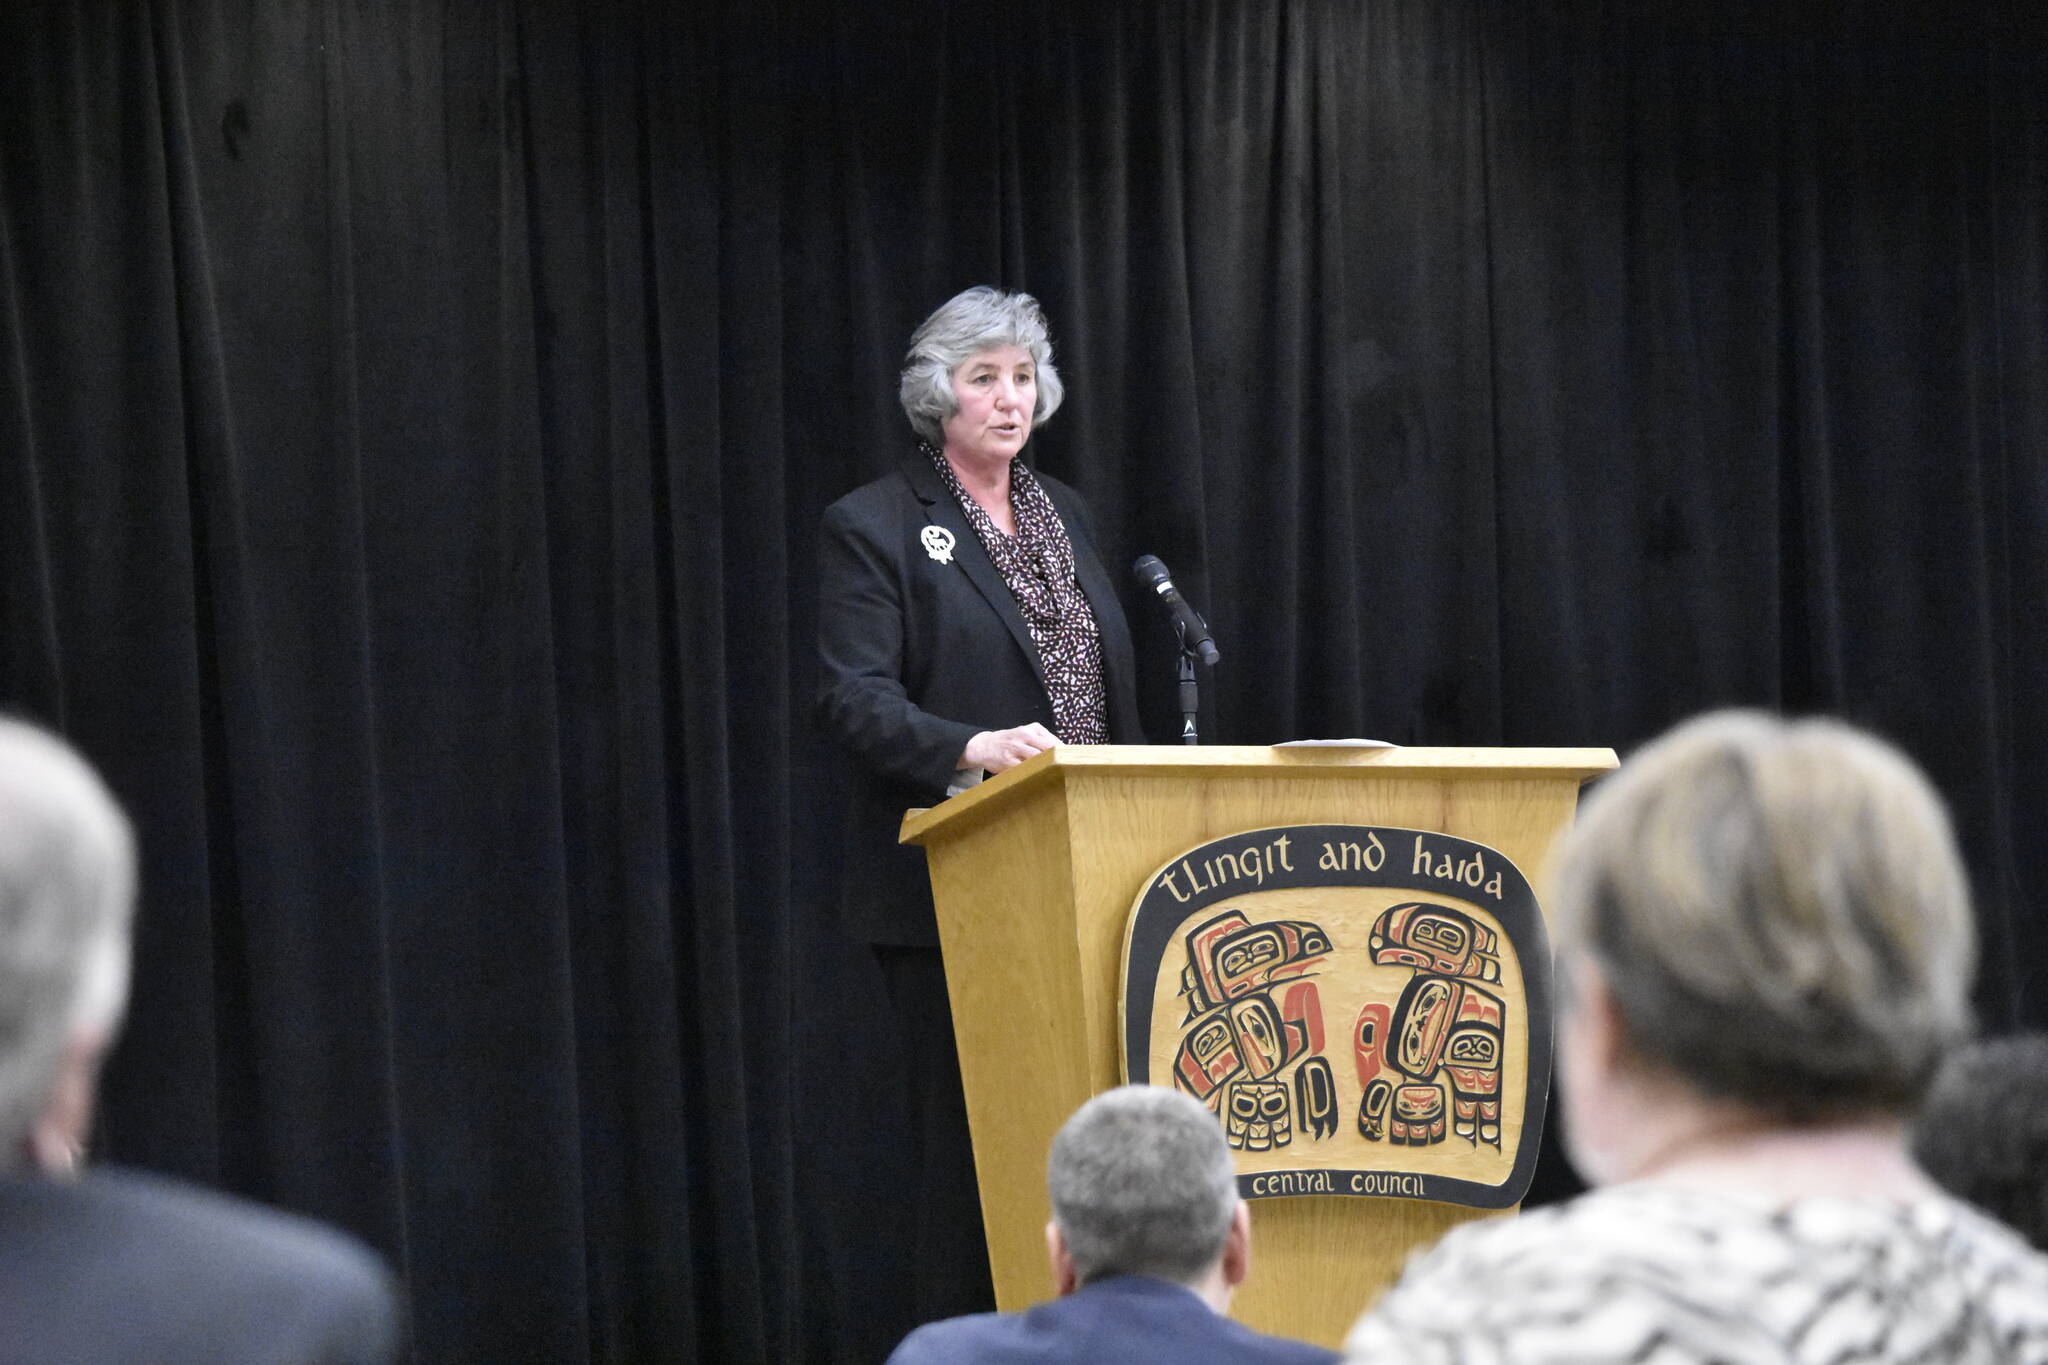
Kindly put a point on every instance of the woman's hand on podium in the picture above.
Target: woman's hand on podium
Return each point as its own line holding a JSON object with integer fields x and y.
{"x": 995, "y": 750}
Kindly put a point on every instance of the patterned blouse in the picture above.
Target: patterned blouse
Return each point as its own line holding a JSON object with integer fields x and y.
{"x": 1038, "y": 566}
{"x": 1680, "y": 1277}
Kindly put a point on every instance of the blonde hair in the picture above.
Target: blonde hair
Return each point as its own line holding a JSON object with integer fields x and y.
{"x": 1779, "y": 910}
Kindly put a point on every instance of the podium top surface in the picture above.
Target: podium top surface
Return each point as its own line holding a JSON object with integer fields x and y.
{"x": 1253, "y": 760}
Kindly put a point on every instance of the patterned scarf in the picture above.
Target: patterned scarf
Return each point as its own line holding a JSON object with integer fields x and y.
{"x": 1038, "y": 566}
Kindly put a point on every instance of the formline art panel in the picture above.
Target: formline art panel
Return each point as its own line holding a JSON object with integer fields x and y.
{"x": 1365, "y": 1008}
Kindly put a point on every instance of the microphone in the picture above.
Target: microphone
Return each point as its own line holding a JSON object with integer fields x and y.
{"x": 1194, "y": 633}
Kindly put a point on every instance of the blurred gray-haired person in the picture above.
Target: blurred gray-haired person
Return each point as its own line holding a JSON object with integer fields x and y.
{"x": 106, "y": 1265}
{"x": 1148, "y": 1239}
{"x": 1982, "y": 1131}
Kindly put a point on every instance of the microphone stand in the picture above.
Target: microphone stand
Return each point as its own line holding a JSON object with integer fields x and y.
{"x": 1189, "y": 703}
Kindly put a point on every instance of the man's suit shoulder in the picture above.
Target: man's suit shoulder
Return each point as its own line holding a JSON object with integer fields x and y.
{"x": 201, "y": 1276}
{"x": 236, "y": 1228}
{"x": 951, "y": 1340}
{"x": 1123, "y": 1318}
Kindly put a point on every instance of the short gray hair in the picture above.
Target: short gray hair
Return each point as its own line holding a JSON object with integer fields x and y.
{"x": 1780, "y": 911}
{"x": 1141, "y": 1184}
{"x": 67, "y": 897}
{"x": 973, "y": 321}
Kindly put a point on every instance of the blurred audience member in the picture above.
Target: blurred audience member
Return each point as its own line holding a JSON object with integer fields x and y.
{"x": 1765, "y": 945}
{"x": 1982, "y": 1131}
{"x": 1148, "y": 1239}
{"x": 114, "y": 1266}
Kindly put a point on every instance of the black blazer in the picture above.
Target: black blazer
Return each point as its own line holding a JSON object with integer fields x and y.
{"x": 919, "y": 655}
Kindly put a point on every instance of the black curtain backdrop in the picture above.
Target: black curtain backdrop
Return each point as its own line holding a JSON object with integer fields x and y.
{"x": 414, "y": 418}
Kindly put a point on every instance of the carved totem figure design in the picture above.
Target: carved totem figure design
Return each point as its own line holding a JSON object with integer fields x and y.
{"x": 1442, "y": 1041}
{"x": 1249, "y": 1019}
{"x": 1258, "y": 1117}
{"x": 1315, "y": 1092}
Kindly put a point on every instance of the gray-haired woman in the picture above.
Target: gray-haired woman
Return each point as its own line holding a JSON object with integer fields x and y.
{"x": 966, "y": 623}
{"x": 1766, "y": 944}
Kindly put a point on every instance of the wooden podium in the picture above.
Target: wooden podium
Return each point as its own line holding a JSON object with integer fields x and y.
{"x": 1034, "y": 874}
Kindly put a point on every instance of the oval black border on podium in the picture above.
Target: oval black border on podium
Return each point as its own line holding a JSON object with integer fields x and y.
{"x": 1149, "y": 936}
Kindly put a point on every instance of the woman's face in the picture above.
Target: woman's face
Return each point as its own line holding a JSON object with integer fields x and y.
{"x": 997, "y": 390}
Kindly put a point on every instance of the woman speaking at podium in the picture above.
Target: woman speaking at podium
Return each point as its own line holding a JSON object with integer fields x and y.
{"x": 965, "y": 623}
